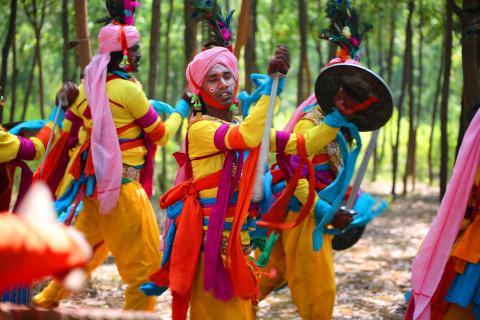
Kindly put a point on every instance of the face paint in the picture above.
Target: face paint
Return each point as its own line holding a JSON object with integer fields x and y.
{"x": 220, "y": 84}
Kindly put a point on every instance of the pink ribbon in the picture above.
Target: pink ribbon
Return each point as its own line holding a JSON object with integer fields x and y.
{"x": 429, "y": 264}
{"x": 105, "y": 147}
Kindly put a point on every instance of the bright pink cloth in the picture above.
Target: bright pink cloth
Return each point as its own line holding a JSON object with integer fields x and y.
{"x": 105, "y": 147}
{"x": 299, "y": 113}
{"x": 429, "y": 264}
{"x": 204, "y": 61}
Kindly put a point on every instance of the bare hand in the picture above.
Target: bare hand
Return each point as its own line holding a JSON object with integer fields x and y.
{"x": 68, "y": 94}
{"x": 347, "y": 106}
{"x": 341, "y": 219}
{"x": 280, "y": 62}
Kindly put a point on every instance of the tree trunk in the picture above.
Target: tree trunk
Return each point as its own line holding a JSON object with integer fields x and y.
{"x": 6, "y": 47}
{"x": 81, "y": 28}
{"x": 65, "y": 39}
{"x": 166, "y": 71}
{"x": 190, "y": 35}
{"x": 28, "y": 90}
{"x": 389, "y": 69}
{"x": 411, "y": 116}
{"x": 413, "y": 171}
{"x": 470, "y": 64}
{"x": 38, "y": 50}
{"x": 434, "y": 115}
{"x": 243, "y": 32}
{"x": 250, "y": 54}
{"x": 391, "y": 43}
{"x": 154, "y": 49}
{"x": 332, "y": 50}
{"x": 445, "y": 94}
{"x": 13, "y": 87}
{"x": 406, "y": 68}
{"x": 303, "y": 84}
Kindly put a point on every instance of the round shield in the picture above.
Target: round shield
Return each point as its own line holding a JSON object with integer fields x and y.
{"x": 360, "y": 84}
{"x": 347, "y": 239}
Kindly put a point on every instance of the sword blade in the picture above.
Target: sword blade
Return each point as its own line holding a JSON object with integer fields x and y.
{"x": 265, "y": 146}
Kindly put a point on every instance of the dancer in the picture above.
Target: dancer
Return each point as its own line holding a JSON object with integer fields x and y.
{"x": 110, "y": 170}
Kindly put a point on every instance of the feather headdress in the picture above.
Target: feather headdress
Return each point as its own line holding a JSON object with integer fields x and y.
{"x": 219, "y": 32}
{"x": 121, "y": 11}
{"x": 345, "y": 29}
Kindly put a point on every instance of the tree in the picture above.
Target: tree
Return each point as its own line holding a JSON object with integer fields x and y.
{"x": 469, "y": 16}
{"x": 6, "y": 47}
{"x": 244, "y": 21}
{"x": 154, "y": 49}
{"x": 190, "y": 34}
{"x": 405, "y": 80}
{"x": 250, "y": 54}
{"x": 303, "y": 85}
{"x": 81, "y": 27}
{"x": 445, "y": 94}
{"x": 36, "y": 17}
{"x": 433, "y": 120}
{"x": 65, "y": 39}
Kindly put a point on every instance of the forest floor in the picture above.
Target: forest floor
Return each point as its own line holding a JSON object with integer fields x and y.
{"x": 372, "y": 277}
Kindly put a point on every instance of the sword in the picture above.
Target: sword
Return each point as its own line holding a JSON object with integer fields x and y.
{"x": 361, "y": 173}
{"x": 265, "y": 146}
{"x": 61, "y": 99}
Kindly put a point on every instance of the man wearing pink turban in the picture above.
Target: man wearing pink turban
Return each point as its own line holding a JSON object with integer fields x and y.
{"x": 206, "y": 261}
{"x": 111, "y": 169}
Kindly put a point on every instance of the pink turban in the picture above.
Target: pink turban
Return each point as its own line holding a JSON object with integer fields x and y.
{"x": 204, "y": 61}
{"x": 105, "y": 147}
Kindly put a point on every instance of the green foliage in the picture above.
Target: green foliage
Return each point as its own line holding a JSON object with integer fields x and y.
{"x": 278, "y": 23}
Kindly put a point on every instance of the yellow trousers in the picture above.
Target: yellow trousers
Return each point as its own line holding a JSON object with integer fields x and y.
{"x": 204, "y": 306}
{"x": 309, "y": 274}
{"x": 130, "y": 233}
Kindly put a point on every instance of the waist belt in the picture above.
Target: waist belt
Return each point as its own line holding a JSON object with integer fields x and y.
{"x": 131, "y": 173}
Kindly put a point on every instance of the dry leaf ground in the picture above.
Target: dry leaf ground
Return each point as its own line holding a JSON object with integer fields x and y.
{"x": 372, "y": 277}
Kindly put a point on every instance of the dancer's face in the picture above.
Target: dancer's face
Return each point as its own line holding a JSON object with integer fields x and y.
{"x": 134, "y": 57}
{"x": 219, "y": 84}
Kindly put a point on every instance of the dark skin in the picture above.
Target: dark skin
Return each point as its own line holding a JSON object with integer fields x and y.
{"x": 68, "y": 94}
{"x": 220, "y": 84}
{"x": 134, "y": 58}
{"x": 3, "y": 99}
{"x": 346, "y": 106}
{"x": 341, "y": 219}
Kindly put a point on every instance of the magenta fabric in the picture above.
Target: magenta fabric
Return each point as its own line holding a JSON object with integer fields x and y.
{"x": 429, "y": 264}
{"x": 25, "y": 181}
{"x": 204, "y": 61}
{"x": 281, "y": 140}
{"x": 26, "y": 150}
{"x": 146, "y": 174}
{"x": 105, "y": 147}
{"x": 148, "y": 118}
{"x": 215, "y": 274}
{"x": 219, "y": 137}
{"x": 129, "y": 6}
{"x": 283, "y": 161}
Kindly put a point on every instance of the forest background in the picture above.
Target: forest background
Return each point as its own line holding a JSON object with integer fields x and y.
{"x": 426, "y": 50}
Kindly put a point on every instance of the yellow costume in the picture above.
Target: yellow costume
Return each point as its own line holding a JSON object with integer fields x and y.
{"x": 207, "y": 149}
{"x": 130, "y": 231}
{"x": 309, "y": 274}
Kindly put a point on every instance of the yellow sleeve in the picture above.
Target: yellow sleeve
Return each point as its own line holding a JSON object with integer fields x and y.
{"x": 316, "y": 138}
{"x": 137, "y": 104}
{"x": 247, "y": 135}
{"x": 9, "y": 145}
